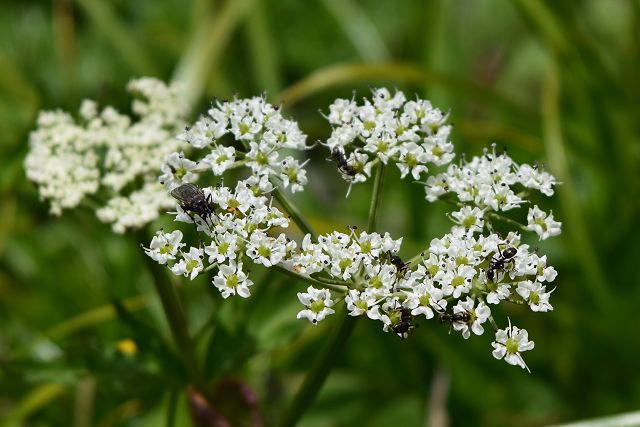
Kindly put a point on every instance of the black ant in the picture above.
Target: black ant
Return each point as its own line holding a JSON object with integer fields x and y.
{"x": 498, "y": 263}
{"x": 401, "y": 266}
{"x": 405, "y": 325}
{"x": 451, "y": 318}
{"x": 343, "y": 166}
{"x": 462, "y": 317}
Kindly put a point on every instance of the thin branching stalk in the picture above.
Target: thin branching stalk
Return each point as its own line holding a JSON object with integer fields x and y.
{"x": 375, "y": 198}
{"x": 315, "y": 379}
{"x": 293, "y": 211}
{"x": 310, "y": 280}
{"x": 177, "y": 320}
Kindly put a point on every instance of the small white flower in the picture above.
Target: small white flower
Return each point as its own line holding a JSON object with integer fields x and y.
{"x": 457, "y": 280}
{"x": 231, "y": 280}
{"x": 178, "y": 169}
{"x": 261, "y": 158}
{"x": 536, "y": 295}
{"x": 412, "y": 159}
{"x": 292, "y": 174}
{"x": 501, "y": 292}
{"x": 164, "y": 246}
{"x": 478, "y": 315}
{"x": 224, "y": 247}
{"x": 536, "y": 178}
{"x": 542, "y": 223}
{"x": 266, "y": 250}
{"x": 471, "y": 218}
{"x": 509, "y": 343}
{"x": 190, "y": 265}
{"x": 318, "y": 304}
{"x": 341, "y": 111}
{"x": 425, "y": 299}
{"x": 359, "y": 303}
{"x": 258, "y": 184}
{"x": 220, "y": 159}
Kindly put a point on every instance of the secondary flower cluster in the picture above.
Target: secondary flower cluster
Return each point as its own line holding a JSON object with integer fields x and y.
{"x": 262, "y": 136}
{"x": 107, "y": 156}
{"x": 239, "y": 226}
{"x": 453, "y": 282}
{"x": 388, "y": 127}
{"x": 488, "y": 182}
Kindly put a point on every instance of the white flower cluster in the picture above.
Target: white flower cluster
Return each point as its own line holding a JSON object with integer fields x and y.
{"x": 239, "y": 225}
{"x": 263, "y": 137}
{"x": 488, "y": 182}
{"x": 388, "y": 127}
{"x": 459, "y": 280}
{"x": 71, "y": 160}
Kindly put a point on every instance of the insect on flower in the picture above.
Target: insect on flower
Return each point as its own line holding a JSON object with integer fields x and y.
{"x": 343, "y": 166}
{"x": 400, "y": 265}
{"x": 498, "y": 263}
{"x": 193, "y": 201}
{"x": 405, "y": 324}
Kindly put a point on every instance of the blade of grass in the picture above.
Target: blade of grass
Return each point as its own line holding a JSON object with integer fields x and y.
{"x": 116, "y": 33}
{"x": 207, "y": 43}
{"x": 93, "y": 317}
{"x": 32, "y": 402}
{"x": 348, "y": 73}
{"x": 545, "y": 22}
{"x": 578, "y": 231}
{"x": 262, "y": 50}
{"x": 85, "y": 401}
{"x": 359, "y": 29}
{"x": 64, "y": 37}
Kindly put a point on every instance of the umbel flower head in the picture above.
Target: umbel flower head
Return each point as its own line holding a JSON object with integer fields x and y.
{"x": 388, "y": 128}
{"x": 242, "y": 132}
{"x": 460, "y": 278}
{"x": 108, "y": 157}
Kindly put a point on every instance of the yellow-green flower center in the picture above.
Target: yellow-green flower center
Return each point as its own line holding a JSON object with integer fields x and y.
{"x": 317, "y": 306}
{"x": 232, "y": 280}
{"x": 264, "y": 251}
{"x": 262, "y": 158}
{"x": 243, "y": 128}
{"x": 511, "y": 345}
{"x": 191, "y": 264}
{"x": 457, "y": 281}
{"x": 424, "y": 300}
{"x": 345, "y": 263}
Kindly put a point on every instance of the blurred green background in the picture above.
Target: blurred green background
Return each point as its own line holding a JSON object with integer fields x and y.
{"x": 556, "y": 81}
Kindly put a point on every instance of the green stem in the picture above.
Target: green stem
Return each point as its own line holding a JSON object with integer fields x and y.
{"x": 177, "y": 320}
{"x": 315, "y": 379}
{"x": 489, "y": 213}
{"x": 293, "y": 211}
{"x": 375, "y": 198}
{"x": 311, "y": 280}
{"x": 578, "y": 230}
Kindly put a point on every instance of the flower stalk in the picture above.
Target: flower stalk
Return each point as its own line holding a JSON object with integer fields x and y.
{"x": 315, "y": 379}
{"x": 177, "y": 320}
{"x": 295, "y": 214}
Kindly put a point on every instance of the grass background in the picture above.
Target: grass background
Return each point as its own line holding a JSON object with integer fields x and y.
{"x": 555, "y": 81}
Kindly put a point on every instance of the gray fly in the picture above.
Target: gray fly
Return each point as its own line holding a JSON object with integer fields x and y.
{"x": 193, "y": 202}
